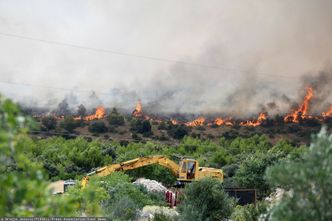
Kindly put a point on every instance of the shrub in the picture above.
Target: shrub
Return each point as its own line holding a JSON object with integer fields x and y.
{"x": 178, "y": 131}
{"x": 23, "y": 187}
{"x": 252, "y": 170}
{"x": 115, "y": 118}
{"x": 81, "y": 110}
{"x": 206, "y": 200}
{"x": 49, "y": 123}
{"x": 124, "y": 210}
{"x": 162, "y": 126}
{"x": 143, "y": 127}
{"x": 69, "y": 124}
{"x": 308, "y": 182}
{"x": 249, "y": 212}
{"x": 98, "y": 127}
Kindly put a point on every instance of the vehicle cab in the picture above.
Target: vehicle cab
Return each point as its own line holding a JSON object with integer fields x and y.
{"x": 188, "y": 170}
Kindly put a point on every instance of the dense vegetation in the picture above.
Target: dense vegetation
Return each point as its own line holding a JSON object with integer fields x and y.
{"x": 27, "y": 165}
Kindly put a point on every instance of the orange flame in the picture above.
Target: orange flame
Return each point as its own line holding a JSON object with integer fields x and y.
{"x": 262, "y": 117}
{"x": 327, "y": 113}
{"x": 100, "y": 113}
{"x": 138, "y": 109}
{"x": 302, "y": 110}
{"x": 198, "y": 122}
{"x": 220, "y": 121}
{"x": 174, "y": 122}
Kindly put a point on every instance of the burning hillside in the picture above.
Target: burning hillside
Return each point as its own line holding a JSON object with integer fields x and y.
{"x": 100, "y": 113}
{"x": 261, "y": 118}
{"x": 302, "y": 111}
{"x": 297, "y": 125}
{"x": 297, "y": 115}
{"x": 327, "y": 113}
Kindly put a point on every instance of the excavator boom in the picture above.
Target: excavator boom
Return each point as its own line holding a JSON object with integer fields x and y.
{"x": 133, "y": 164}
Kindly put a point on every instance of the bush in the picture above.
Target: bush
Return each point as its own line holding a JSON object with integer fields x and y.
{"x": 252, "y": 170}
{"x": 178, "y": 131}
{"x": 162, "y": 126}
{"x": 98, "y": 127}
{"x": 160, "y": 216}
{"x": 65, "y": 159}
{"x": 49, "y": 123}
{"x": 81, "y": 111}
{"x": 69, "y": 124}
{"x": 115, "y": 118}
{"x": 23, "y": 185}
{"x": 143, "y": 127}
{"x": 249, "y": 212}
{"x": 307, "y": 183}
{"x": 124, "y": 210}
{"x": 206, "y": 200}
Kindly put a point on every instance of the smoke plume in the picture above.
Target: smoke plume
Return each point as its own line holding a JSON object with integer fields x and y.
{"x": 231, "y": 57}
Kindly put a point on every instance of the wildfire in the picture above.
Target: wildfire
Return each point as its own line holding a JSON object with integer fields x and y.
{"x": 100, "y": 113}
{"x": 302, "y": 110}
{"x": 174, "y": 122}
{"x": 138, "y": 109}
{"x": 198, "y": 122}
{"x": 220, "y": 121}
{"x": 262, "y": 117}
{"x": 327, "y": 113}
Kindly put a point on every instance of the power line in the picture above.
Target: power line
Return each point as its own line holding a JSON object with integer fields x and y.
{"x": 168, "y": 60}
{"x": 46, "y": 87}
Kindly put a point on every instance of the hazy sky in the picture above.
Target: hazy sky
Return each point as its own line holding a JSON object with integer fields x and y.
{"x": 240, "y": 55}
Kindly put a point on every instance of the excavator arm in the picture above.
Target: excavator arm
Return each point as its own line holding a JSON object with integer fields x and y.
{"x": 133, "y": 164}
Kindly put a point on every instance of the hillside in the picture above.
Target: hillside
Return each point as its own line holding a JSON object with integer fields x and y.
{"x": 167, "y": 133}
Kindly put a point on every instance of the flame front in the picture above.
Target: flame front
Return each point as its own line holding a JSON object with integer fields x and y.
{"x": 100, "y": 113}
{"x": 327, "y": 113}
{"x": 302, "y": 110}
{"x": 138, "y": 109}
{"x": 198, "y": 122}
{"x": 262, "y": 117}
{"x": 220, "y": 121}
{"x": 174, "y": 122}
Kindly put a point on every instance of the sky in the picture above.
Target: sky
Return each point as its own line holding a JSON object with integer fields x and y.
{"x": 233, "y": 57}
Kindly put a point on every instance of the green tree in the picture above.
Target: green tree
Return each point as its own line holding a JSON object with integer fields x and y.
{"x": 115, "y": 118}
{"x": 90, "y": 199}
{"x": 81, "y": 111}
{"x": 48, "y": 123}
{"x": 98, "y": 127}
{"x": 205, "y": 200}
{"x": 143, "y": 127}
{"x": 177, "y": 131}
{"x": 308, "y": 183}
{"x": 69, "y": 124}
{"x": 252, "y": 170}
{"x": 249, "y": 212}
{"x": 63, "y": 108}
{"x": 23, "y": 190}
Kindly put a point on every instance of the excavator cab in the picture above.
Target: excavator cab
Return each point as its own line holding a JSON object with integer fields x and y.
{"x": 188, "y": 170}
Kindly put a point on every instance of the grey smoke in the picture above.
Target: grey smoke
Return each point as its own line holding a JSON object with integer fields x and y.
{"x": 257, "y": 52}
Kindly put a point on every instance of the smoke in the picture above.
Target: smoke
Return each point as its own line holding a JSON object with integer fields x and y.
{"x": 239, "y": 57}
{"x": 321, "y": 85}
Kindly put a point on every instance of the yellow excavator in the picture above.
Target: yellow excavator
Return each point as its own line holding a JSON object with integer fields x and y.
{"x": 186, "y": 171}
